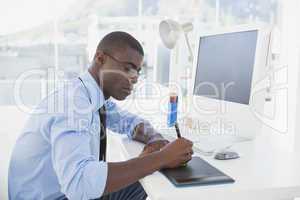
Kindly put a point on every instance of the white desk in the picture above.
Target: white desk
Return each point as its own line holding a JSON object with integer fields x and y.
{"x": 262, "y": 172}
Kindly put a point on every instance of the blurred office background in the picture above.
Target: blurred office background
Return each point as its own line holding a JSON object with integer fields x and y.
{"x": 61, "y": 36}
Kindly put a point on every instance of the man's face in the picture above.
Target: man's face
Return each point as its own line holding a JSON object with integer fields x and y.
{"x": 119, "y": 72}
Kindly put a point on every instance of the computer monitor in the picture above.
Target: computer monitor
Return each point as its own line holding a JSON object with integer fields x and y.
{"x": 226, "y": 94}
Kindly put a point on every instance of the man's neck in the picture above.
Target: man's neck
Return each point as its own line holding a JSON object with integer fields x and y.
{"x": 93, "y": 71}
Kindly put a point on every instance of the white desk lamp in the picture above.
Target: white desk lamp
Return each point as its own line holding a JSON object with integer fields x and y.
{"x": 170, "y": 32}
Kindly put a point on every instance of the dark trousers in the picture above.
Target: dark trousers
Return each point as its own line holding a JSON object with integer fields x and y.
{"x": 131, "y": 192}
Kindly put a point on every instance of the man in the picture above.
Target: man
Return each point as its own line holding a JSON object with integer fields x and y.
{"x": 61, "y": 152}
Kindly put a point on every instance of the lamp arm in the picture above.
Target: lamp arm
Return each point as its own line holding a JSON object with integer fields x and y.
{"x": 189, "y": 46}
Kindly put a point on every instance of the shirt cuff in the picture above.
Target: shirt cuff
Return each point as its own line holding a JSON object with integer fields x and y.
{"x": 133, "y": 125}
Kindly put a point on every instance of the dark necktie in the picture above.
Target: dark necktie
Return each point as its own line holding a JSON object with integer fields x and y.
{"x": 102, "y": 152}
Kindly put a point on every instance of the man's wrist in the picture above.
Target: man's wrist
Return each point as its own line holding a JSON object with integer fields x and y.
{"x": 156, "y": 137}
{"x": 161, "y": 159}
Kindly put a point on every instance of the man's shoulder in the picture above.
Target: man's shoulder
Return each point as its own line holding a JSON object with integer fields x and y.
{"x": 69, "y": 93}
{"x": 69, "y": 97}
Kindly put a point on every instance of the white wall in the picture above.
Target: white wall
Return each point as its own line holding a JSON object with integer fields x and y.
{"x": 296, "y": 45}
{"x": 290, "y": 15}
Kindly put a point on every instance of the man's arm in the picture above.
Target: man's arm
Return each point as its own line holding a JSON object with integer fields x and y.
{"x": 82, "y": 176}
{"x": 79, "y": 172}
{"x": 125, "y": 173}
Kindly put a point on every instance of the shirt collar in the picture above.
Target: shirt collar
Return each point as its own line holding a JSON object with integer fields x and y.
{"x": 94, "y": 92}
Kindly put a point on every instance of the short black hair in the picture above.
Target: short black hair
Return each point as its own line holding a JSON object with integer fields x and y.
{"x": 119, "y": 40}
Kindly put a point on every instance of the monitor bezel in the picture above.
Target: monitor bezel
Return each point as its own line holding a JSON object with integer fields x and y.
{"x": 259, "y": 29}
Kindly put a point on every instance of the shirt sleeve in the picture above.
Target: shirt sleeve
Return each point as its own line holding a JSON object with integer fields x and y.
{"x": 121, "y": 121}
{"x": 79, "y": 172}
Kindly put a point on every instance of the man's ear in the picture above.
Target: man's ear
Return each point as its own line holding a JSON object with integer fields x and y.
{"x": 99, "y": 57}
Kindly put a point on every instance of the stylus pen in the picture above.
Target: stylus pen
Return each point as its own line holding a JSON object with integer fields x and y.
{"x": 177, "y": 130}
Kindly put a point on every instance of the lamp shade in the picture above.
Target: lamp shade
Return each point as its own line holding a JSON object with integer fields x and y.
{"x": 169, "y": 31}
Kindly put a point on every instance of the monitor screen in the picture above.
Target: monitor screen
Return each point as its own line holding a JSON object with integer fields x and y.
{"x": 225, "y": 66}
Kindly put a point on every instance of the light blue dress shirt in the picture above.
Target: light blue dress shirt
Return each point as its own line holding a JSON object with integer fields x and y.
{"x": 58, "y": 150}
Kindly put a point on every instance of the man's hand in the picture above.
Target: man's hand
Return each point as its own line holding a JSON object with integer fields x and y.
{"x": 154, "y": 146}
{"x": 177, "y": 153}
